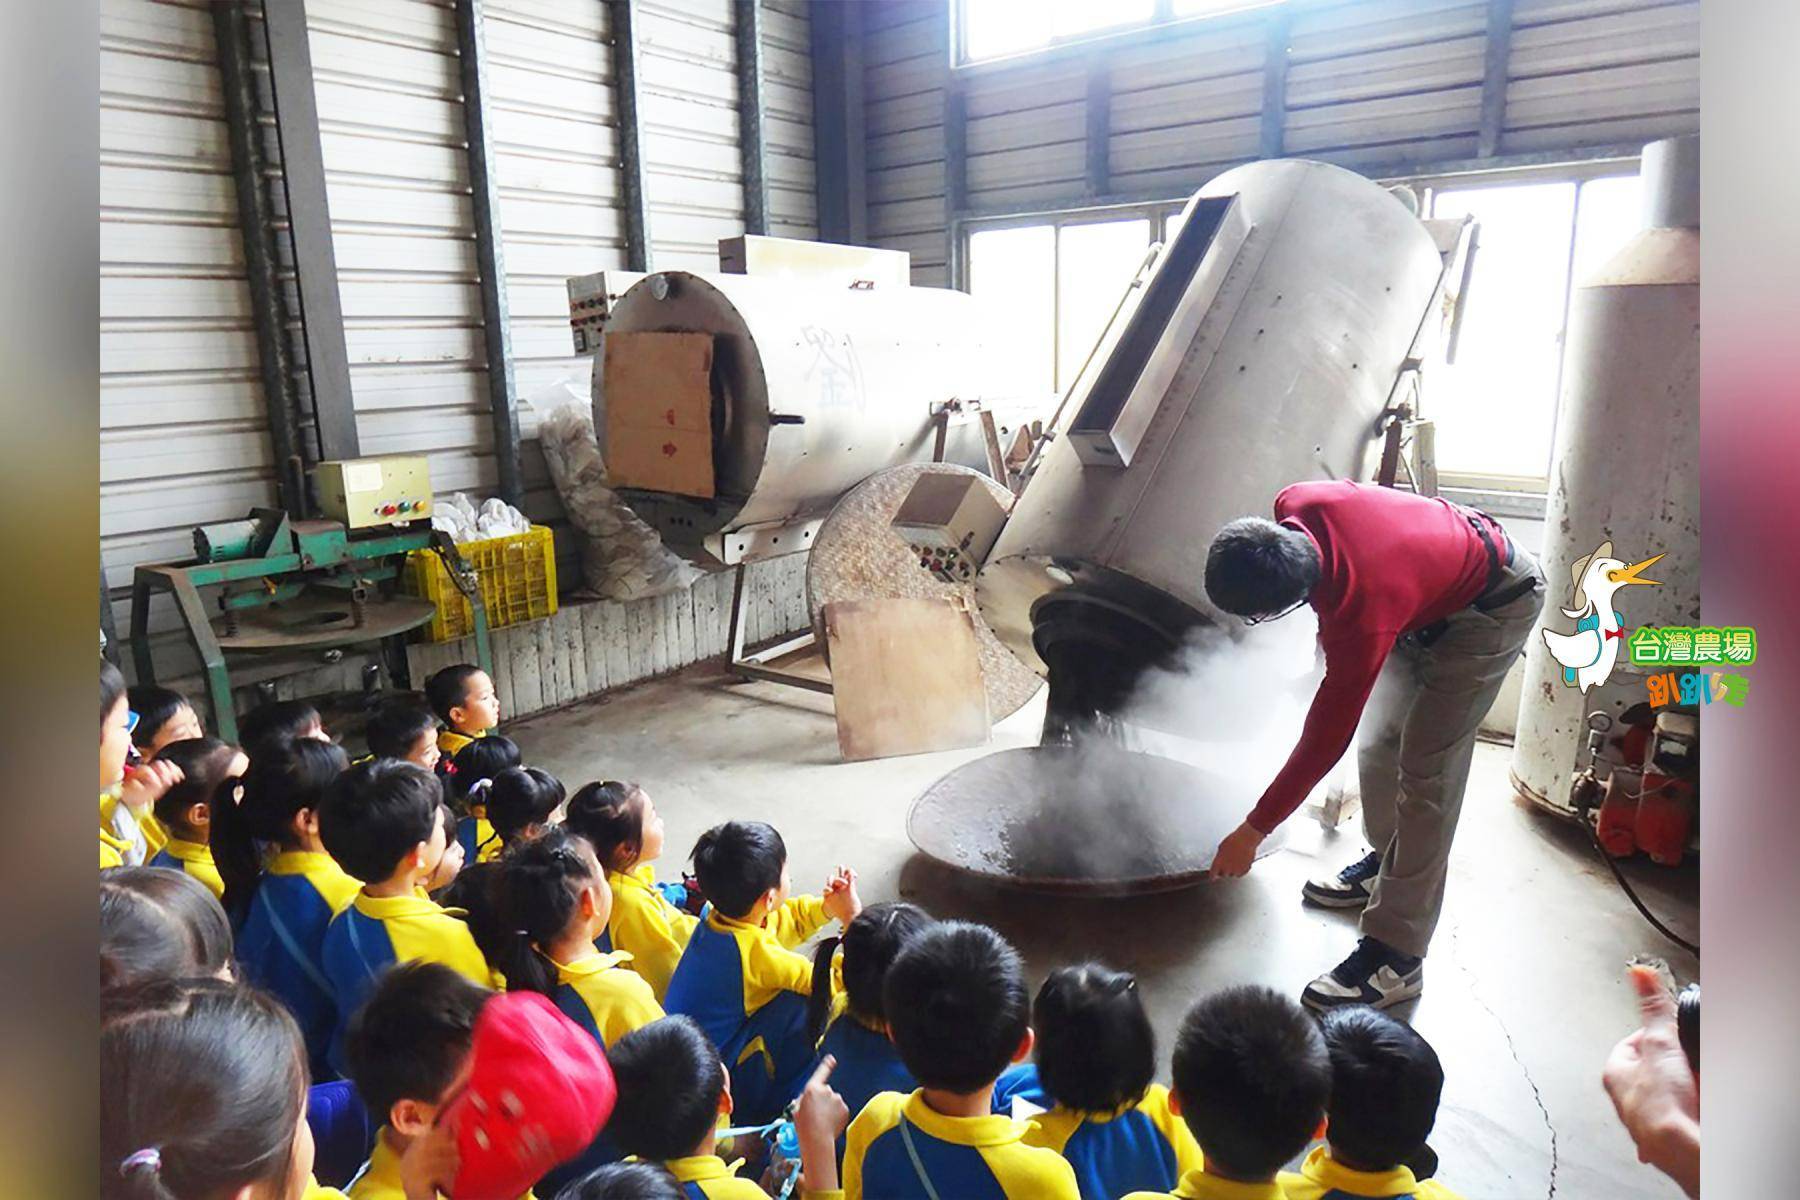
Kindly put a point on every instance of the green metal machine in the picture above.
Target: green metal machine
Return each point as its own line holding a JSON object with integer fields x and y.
{"x": 286, "y": 585}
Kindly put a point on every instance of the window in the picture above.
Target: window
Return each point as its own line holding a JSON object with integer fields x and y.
{"x": 1495, "y": 408}
{"x": 996, "y": 28}
{"x": 1050, "y": 288}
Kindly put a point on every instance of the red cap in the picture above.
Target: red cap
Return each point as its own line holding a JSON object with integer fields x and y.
{"x": 539, "y": 1092}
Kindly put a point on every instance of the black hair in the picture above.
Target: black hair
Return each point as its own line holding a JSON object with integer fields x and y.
{"x": 624, "y": 1181}
{"x": 737, "y": 862}
{"x": 394, "y": 728}
{"x": 205, "y": 1087}
{"x": 203, "y": 761}
{"x": 156, "y": 923}
{"x": 475, "y": 893}
{"x": 1253, "y": 1076}
{"x": 155, "y": 706}
{"x": 275, "y": 722}
{"x": 532, "y": 898}
{"x": 521, "y": 797}
{"x": 1256, "y": 568}
{"x": 870, "y": 943}
{"x": 410, "y": 1036}
{"x": 376, "y": 812}
{"x": 449, "y": 689}
{"x": 956, "y": 1005}
{"x": 610, "y": 816}
{"x": 669, "y": 1079}
{"x": 283, "y": 780}
{"x": 1096, "y": 1051}
{"x": 112, "y": 686}
{"x": 483, "y": 758}
{"x": 1385, "y": 1084}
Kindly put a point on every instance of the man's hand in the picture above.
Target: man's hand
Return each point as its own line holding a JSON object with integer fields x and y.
{"x": 146, "y": 784}
{"x": 1654, "y": 1089}
{"x": 841, "y": 903}
{"x": 1236, "y": 852}
{"x": 818, "y": 1119}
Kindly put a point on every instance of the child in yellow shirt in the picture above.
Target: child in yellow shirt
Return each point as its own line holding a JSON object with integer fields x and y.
{"x": 673, "y": 1092}
{"x": 210, "y": 770}
{"x": 621, "y": 822}
{"x": 463, "y": 698}
{"x": 1251, "y": 1080}
{"x": 467, "y": 778}
{"x": 164, "y": 716}
{"x": 1385, "y": 1085}
{"x": 740, "y": 977}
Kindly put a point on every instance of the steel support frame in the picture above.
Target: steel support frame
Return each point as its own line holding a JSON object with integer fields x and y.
{"x": 249, "y": 175}
{"x": 625, "y": 63}
{"x": 1493, "y": 79}
{"x": 840, "y": 142}
{"x": 490, "y": 255}
{"x": 752, "y": 145}
{"x": 757, "y": 666}
{"x": 956, "y": 176}
{"x": 1275, "y": 72}
{"x": 1099, "y": 127}
{"x": 309, "y": 224}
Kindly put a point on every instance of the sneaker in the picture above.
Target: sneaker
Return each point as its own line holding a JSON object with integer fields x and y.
{"x": 1375, "y": 974}
{"x": 1349, "y": 888}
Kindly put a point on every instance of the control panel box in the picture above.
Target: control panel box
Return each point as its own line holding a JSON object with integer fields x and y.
{"x": 950, "y": 521}
{"x": 367, "y": 492}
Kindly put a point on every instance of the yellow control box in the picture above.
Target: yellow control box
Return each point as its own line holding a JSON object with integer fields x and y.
{"x": 367, "y": 492}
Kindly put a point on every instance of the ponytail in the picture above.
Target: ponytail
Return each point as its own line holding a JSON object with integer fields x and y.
{"x": 610, "y": 816}
{"x": 532, "y": 899}
{"x": 205, "y": 1090}
{"x": 870, "y": 942}
{"x": 818, "y": 1004}
{"x": 284, "y": 779}
{"x": 477, "y": 762}
{"x": 522, "y": 797}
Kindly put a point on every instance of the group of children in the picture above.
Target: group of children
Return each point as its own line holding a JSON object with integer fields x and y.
{"x": 274, "y": 914}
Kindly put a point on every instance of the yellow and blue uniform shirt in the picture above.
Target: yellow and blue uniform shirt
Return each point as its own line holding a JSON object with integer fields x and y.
{"x": 868, "y": 1063}
{"x": 318, "y": 1191}
{"x": 379, "y": 1178}
{"x": 1198, "y": 1185}
{"x": 604, "y": 996}
{"x": 646, "y": 926}
{"x": 450, "y": 741}
{"x": 708, "y": 1177}
{"x": 479, "y": 841}
{"x": 375, "y": 932}
{"x": 1323, "y": 1178}
{"x": 281, "y": 944}
{"x": 1141, "y": 1147}
{"x": 899, "y": 1139}
{"x": 746, "y": 987}
{"x": 126, "y": 838}
{"x": 195, "y": 858}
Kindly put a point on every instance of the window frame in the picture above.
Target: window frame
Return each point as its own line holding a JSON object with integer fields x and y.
{"x": 1163, "y": 23}
{"x": 1518, "y": 495}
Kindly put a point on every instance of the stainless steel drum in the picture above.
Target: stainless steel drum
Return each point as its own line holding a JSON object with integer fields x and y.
{"x": 1098, "y": 819}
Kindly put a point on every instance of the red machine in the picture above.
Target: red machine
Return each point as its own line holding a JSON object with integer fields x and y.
{"x": 1650, "y": 799}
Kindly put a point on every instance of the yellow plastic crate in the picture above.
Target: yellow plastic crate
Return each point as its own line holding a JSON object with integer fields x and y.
{"x": 518, "y": 583}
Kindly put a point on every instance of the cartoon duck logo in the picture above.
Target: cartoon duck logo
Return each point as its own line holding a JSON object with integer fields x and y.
{"x": 1588, "y": 655}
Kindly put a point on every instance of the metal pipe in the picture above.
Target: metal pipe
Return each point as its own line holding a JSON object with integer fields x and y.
{"x": 490, "y": 256}
{"x": 752, "y": 150}
{"x": 631, "y": 151}
{"x": 309, "y": 226}
{"x": 1493, "y": 81}
{"x": 1275, "y": 70}
{"x": 256, "y": 224}
{"x": 1099, "y": 127}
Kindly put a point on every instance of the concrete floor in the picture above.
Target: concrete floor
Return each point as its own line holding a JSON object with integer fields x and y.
{"x": 1524, "y": 990}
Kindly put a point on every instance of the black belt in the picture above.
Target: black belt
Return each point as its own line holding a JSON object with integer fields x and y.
{"x": 1494, "y": 595}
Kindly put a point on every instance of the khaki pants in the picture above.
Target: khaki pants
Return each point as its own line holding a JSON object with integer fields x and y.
{"x": 1415, "y": 744}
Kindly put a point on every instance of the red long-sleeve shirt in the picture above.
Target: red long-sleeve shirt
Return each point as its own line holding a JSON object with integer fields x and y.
{"x": 1391, "y": 562}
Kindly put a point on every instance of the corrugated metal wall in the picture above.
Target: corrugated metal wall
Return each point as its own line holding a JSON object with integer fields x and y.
{"x": 184, "y": 435}
{"x": 1370, "y": 84}
{"x": 183, "y": 431}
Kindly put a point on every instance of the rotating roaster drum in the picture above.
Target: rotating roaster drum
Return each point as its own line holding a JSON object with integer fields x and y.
{"x": 1268, "y": 340}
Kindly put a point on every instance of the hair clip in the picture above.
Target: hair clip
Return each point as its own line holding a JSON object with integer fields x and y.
{"x": 148, "y": 1159}
{"x": 479, "y": 786}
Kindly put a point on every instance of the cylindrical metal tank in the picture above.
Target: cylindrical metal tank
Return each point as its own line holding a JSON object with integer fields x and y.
{"x": 1276, "y": 373}
{"x": 1624, "y": 461}
{"x": 815, "y": 388}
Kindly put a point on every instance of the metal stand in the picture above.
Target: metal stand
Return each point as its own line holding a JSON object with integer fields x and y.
{"x": 757, "y": 666}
